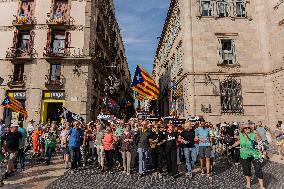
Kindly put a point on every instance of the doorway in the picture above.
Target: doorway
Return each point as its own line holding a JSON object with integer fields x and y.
{"x": 54, "y": 110}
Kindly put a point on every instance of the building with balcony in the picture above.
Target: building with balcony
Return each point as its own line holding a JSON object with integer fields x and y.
{"x": 61, "y": 53}
{"x": 223, "y": 60}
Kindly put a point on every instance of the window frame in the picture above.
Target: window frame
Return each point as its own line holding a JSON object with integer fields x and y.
{"x": 210, "y": 10}
{"x": 18, "y": 74}
{"x": 226, "y": 8}
{"x": 242, "y": 4}
{"x": 54, "y": 73}
{"x": 230, "y": 53}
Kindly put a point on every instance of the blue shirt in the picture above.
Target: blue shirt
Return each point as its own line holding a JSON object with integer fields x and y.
{"x": 24, "y": 136}
{"x": 262, "y": 132}
{"x": 203, "y": 134}
{"x": 75, "y": 137}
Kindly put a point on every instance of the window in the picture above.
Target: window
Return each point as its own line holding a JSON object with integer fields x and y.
{"x": 240, "y": 8}
{"x": 222, "y": 8}
{"x": 231, "y": 96}
{"x": 60, "y": 9}
{"x": 24, "y": 38}
{"x": 26, "y": 10}
{"x": 227, "y": 54}
{"x": 18, "y": 73}
{"x": 58, "y": 44}
{"x": 55, "y": 73}
{"x": 205, "y": 8}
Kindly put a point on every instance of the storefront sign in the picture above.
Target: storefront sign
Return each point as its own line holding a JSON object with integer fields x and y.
{"x": 17, "y": 94}
{"x": 56, "y": 95}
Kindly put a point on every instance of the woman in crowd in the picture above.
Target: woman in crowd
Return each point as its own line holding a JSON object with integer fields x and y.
{"x": 250, "y": 154}
{"x": 127, "y": 144}
{"x": 99, "y": 144}
{"x": 279, "y": 138}
{"x": 108, "y": 145}
{"x": 171, "y": 151}
{"x": 36, "y": 140}
{"x": 64, "y": 144}
{"x": 50, "y": 142}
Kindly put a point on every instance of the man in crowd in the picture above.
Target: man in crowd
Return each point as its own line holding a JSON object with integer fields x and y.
{"x": 202, "y": 134}
{"x": 143, "y": 147}
{"x": 187, "y": 138}
{"x": 21, "y": 151}
{"x": 11, "y": 140}
{"x": 75, "y": 139}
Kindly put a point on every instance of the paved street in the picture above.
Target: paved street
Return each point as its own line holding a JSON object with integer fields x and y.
{"x": 223, "y": 178}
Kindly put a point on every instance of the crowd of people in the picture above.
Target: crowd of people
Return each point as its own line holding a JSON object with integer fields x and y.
{"x": 148, "y": 147}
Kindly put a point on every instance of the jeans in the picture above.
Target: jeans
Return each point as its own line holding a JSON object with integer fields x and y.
{"x": 213, "y": 153}
{"x": 20, "y": 157}
{"x": 126, "y": 158}
{"x": 171, "y": 153}
{"x": 48, "y": 153}
{"x": 100, "y": 153}
{"x": 109, "y": 158}
{"x": 75, "y": 157}
{"x": 190, "y": 157}
{"x": 143, "y": 156}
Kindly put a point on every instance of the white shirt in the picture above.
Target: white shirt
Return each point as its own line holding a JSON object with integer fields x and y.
{"x": 282, "y": 126}
{"x": 30, "y": 128}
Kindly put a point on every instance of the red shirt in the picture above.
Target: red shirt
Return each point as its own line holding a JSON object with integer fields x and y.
{"x": 108, "y": 141}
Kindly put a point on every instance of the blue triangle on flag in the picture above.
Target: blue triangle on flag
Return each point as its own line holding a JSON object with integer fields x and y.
{"x": 138, "y": 78}
{"x": 6, "y": 101}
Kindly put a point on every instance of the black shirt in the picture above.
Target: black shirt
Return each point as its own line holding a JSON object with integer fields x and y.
{"x": 189, "y": 137}
{"x": 144, "y": 138}
{"x": 171, "y": 139}
{"x": 12, "y": 140}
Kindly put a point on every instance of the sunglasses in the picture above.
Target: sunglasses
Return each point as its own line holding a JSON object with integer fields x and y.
{"x": 247, "y": 128}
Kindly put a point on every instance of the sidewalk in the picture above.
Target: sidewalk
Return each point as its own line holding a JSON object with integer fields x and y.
{"x": 37, "y": 176}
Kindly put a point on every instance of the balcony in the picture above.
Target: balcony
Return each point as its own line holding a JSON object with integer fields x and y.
{"x": 24, "y": 20}
{"x": 58, "y": 20}
{"x": 52, "y": 81}
{"x": 19, "y": 53}
{"x": 58, "y": 53}
{"x": 17, "y": 81}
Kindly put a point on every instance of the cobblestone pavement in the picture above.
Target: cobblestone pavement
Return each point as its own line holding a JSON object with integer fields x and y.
{"x": 36, "y": 176}
{"x": 225, "y": 177}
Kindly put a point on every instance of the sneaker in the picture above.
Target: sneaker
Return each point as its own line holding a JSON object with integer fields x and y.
{"x": 6, "y": 175}
{"x": 189, "y": 175}
{"x": 1, "y": 183}
{"x": 209, "y": 176}
{"x": 127, "y": 174}
{"x": 202, "y": 173}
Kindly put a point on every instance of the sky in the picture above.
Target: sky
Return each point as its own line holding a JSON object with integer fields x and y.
{"x": 141, "y": 22}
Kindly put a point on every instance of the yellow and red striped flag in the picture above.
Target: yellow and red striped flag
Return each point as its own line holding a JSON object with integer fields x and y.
{"x": 144, "y": 84}
{"x": 13, "y": 104}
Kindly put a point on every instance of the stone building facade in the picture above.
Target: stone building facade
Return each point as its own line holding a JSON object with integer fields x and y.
{"x": 57, "y": 53}
{"x": 222, "y": 59}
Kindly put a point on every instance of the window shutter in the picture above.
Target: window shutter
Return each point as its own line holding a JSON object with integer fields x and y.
{"x": 244, "y": 3}
{"x": 234, "y": 9}
{"x": 15, "y": 39}
{"x": 220, "y": 52}
{"x": 31, "y": 42}
{"x": 210, "y": 8}
{"x": 200, "y": 7}
{"x": 48, "y": 42}
{"x": 234, "y": 52}
{"x": 67, "y": 43}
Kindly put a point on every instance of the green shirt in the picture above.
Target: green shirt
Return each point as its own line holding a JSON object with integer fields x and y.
{"x": 247, "y": 149}
{"x": 50, "y": 139}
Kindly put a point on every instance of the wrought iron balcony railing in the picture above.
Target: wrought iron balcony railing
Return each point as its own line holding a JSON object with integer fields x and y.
{"x": 53, "y": 19}
{"x": 20, "y": 53}
{"x": 54, "y": 81}
{"x": 58, "y": 52}
{"x": 17, "y": 81}
{"x": 23, "y": 20}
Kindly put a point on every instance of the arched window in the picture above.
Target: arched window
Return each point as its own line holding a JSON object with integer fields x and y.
{"x": 231, "y": 96}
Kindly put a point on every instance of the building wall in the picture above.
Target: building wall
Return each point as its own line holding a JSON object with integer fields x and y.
{"x": 79, "y": 89}
{"x": 258, "y": 40}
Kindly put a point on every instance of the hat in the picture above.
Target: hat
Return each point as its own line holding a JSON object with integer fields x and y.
{"x": 14, "y": 125}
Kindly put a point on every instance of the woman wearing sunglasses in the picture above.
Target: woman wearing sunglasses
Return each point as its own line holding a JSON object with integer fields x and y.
{"x": 249, "y": 154}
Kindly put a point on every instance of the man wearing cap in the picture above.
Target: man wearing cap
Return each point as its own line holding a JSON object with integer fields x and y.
{"x": 11, "y": 140}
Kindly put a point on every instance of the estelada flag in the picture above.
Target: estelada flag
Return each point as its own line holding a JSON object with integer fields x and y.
{"x": 144, "y": 84}
{"x": 13, "y": 104}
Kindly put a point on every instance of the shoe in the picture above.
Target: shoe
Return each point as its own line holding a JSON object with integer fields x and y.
{"x": 247, "y": 187}
{"x": 127, "y": 174}
{"x": 209, "y": 176}
{"x": 202, "y": 173}
{"x": 189, "y": 175}
{"x": 6, "y": 175}
{"x": 1, "y": 183}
